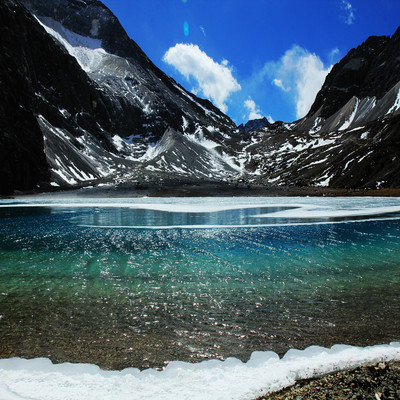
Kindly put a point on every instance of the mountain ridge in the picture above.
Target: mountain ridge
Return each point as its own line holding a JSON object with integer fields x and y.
{"x": 364, "y": 72}
{"x": 103, "y": 114}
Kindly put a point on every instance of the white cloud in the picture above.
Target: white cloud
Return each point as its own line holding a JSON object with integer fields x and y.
{"x": 349, "y": 10}
{"x": 334, "y": 55}
{"x": 215, "y": 81}
{"x": 279, "y": 83}
{"x": 254, "y": 111}
{"x": 300, "y": 74}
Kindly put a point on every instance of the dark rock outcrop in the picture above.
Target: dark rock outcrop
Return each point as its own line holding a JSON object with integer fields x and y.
{"x": 370, "y": 70}
{"x": 23, "y": 163}
{"x": 255, "y": 124}
{"x": 40, "y": 78}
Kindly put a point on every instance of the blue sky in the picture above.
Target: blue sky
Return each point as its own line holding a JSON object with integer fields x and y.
{"x": 257, "y": 57}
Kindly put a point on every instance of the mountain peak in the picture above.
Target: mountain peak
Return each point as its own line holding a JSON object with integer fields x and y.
{"x": 89, "y": 18}
{"x": 370, "y": 70}
{"x": 255, "y": 124}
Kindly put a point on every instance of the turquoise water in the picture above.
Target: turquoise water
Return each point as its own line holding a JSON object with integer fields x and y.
{"x": 93, "y": 284}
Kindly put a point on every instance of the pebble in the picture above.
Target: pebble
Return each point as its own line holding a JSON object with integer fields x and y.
{"x": 374, "y": 382}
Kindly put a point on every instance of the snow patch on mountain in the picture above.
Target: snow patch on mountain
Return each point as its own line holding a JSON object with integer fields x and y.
{"x": 87, "y": 51}
{"x": 396, "y": 105}
{"x": 189, "y": 155}
{"x": 317, "y": 126}
{"x": 351, "y": 117}
{"x": 74, "y": 160}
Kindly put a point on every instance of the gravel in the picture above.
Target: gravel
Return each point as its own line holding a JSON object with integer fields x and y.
{"x": 373, "y": 382}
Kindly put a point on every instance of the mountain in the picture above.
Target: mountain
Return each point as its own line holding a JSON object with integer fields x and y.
{"x": 84, "y": 106}
{"x": 255, "y": 124}
{"x": 351, "y": 136}
{"x": 95, "y": 102}
{"x": 370, "y": 70}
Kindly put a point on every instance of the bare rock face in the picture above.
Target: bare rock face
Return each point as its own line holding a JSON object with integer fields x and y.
{"x": 23, "y": 163}
{"x": 41, "y": 82}
{"x": 255, "y": 124}
{"x": 370, "y": 70}
{"x": 90, "y": 18}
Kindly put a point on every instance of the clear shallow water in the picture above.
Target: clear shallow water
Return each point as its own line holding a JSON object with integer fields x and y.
{"x": 127, "y": 286}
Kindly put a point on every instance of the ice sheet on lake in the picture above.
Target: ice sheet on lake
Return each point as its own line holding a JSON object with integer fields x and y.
{"x": 309, "y": 212}
{"x": 281, "y": 211}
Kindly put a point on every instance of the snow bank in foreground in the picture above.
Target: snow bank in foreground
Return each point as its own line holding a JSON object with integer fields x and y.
{"x": 231, "y": 379}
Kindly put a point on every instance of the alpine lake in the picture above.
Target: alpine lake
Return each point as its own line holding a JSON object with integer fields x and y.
{"x": 142, "y": 282}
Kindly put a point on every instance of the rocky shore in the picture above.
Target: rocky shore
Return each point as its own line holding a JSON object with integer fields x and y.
{"x": 207, "y": 189}
{"x": 372, "y": 382}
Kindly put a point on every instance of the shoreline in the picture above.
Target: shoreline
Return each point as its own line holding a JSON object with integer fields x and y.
{"x": 371, "y": 381}
{"x": 206, "y": 189}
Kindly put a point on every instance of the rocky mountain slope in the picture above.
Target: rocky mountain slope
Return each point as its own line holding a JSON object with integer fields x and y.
{"x": 351, "y": 136}
{"x": 96, "y": 103}
{"x": 84, "y": 106}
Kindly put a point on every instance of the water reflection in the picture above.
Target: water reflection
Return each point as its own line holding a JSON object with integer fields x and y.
{"x": 255, "y": 216}
{"x": 155, "y": 218}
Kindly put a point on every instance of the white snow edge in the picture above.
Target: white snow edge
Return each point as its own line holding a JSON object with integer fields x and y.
{"x": 218, "y": 380}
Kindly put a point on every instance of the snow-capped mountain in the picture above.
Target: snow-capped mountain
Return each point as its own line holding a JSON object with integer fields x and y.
{"x": 100, "y": 104}
{"x": 351, "y": 136}
{"x": 83, "y": 105}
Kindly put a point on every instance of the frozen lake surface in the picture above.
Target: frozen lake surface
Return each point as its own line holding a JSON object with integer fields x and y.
{"x": 144, "y": 282}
